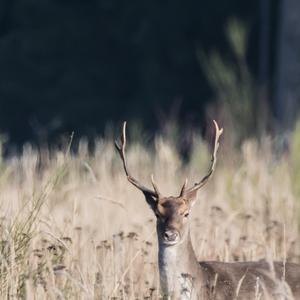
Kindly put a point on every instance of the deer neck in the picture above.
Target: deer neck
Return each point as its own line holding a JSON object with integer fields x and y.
{"x": 179, "y": 269}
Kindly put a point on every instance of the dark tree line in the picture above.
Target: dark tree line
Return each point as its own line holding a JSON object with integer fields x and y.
{"x": 75, "y": 65}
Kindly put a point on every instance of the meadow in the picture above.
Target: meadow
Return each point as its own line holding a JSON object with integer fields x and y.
{"x": 72, "y": 227}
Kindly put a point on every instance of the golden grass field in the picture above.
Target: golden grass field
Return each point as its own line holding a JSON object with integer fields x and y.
{"x": 72, "y": 227}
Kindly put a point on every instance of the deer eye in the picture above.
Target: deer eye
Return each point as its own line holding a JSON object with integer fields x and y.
{"x": 186, "y": 214}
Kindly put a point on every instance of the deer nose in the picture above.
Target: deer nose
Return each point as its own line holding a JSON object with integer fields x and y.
{"x": 171, "y": 235}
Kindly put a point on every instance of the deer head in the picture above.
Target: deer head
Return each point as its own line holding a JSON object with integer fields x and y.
{"x": 172, "y": 213}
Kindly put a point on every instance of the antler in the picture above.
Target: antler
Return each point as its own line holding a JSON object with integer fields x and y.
{"x": 132, "y": 180}
{"x": 204, "y": 180}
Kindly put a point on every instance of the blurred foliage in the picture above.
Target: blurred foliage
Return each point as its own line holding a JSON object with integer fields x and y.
{"x": 295, "y": 159}
{"x": 234, "y": 85}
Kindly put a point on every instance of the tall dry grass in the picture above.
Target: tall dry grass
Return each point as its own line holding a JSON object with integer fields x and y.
{"x": 73, "y": 228}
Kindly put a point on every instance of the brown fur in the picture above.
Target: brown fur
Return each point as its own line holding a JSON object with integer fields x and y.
{"x": 218, "y": 280}
{"x": 181, "y": 276}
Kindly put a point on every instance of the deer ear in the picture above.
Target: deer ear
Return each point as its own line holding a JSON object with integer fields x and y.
{"x": 152, "y": 201}
{"x": 191, "y": 197}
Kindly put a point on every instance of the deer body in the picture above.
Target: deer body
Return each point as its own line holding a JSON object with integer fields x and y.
{"x": 182, "y": 276}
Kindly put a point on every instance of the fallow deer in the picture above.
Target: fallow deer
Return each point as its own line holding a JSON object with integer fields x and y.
{"x": 181, "y": 275}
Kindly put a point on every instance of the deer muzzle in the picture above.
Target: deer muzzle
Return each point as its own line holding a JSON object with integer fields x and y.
{"x": 171, "y": 236}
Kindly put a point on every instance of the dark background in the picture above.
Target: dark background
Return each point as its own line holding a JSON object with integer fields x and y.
{"x": 76, "y": 65}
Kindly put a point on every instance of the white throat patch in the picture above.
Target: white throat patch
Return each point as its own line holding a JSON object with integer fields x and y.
{"x": 172, "y": 281}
